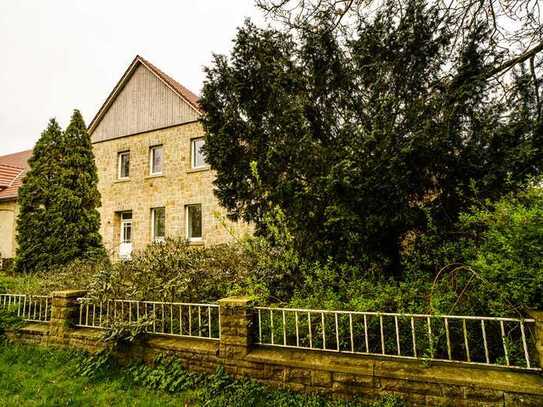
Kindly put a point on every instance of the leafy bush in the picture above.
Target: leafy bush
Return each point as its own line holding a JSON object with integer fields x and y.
{"x": 172, "y": 271}
{"x": 507, "y": 253}
{"x": 9, "y": 319}
{"x": 120, "y": 332}
{"x": 491, "y": 265}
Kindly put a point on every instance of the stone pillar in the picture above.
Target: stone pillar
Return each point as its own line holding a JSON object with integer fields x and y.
{"x": 64, "y": 311}
{"x": 538, "y": 316}
{"x": 237, "y": 321}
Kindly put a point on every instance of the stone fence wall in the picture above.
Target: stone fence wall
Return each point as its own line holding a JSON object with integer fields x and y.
{"x": 328, "y": 373}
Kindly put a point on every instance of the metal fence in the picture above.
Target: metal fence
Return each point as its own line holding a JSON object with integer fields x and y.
{"x": 164, "y": 318}
{"x": 31, "y": 308}
{"x": 489, "y": 341}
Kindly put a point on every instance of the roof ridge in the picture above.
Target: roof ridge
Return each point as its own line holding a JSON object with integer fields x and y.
{"x": 186, "y": 93}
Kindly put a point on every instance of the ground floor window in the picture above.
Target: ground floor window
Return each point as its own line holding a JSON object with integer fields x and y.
{"x": 194, "y": 222}
{"x": 158, "y": 224}
{"x": 125, "y": 247}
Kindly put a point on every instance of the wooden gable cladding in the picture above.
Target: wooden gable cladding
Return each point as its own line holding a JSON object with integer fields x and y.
{"x": 142, "y": 101}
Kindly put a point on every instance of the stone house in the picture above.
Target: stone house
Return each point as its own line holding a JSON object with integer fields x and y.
{"x": 12, "y": 170}
{"x": 152, "y": 176}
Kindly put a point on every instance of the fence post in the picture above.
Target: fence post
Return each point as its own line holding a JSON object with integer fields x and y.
{"x": 64, "y": 311}
{"x": 236, "y": 323}
{"x": 537, "y": 315}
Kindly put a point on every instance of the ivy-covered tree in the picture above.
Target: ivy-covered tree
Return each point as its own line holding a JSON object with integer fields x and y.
{"x": 368, "y": 137}
{"x": 58, "y": 220}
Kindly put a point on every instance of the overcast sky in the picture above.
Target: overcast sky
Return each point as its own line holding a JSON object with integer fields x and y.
{"x": 57, "y": 55}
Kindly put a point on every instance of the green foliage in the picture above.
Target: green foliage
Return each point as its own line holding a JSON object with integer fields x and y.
{"x": 33, "y": 376}
{"x": 219, "y": 389}
{"x": 506, "y": 256}
{"x": 172, "y": 271}
{"x": 97, "y": 366}
{"x": 58, "y": 221}
{"x": 165, "y": 374}
{"x": 9, "y": 319}
{"x": 358, "y": 139}
{"x": 120, "y": 333}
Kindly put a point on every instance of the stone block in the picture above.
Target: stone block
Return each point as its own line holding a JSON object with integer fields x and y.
{"x": 297, "y": 376}
{"x": 442, "y": 401}
{"x": 526, "y": 400}
{"x": 358, "y": 380}
{"x": 321, "y": 378}
{"x": 484, "y": 394}
{"x": 410, "y": 386}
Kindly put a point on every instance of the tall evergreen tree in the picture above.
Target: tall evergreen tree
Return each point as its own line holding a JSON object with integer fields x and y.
{"x": 367, "y": 138}
{"x": 58, "y": 221}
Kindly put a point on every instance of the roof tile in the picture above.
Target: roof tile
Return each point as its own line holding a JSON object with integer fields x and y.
{"x": 12, "y": 170}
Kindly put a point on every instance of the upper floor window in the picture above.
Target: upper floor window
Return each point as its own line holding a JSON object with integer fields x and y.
{"x": 123, "y": 165}
{"x": 158, "y": 224}
{"x": 198, "y": 159}
{"x": 156, "y": 160}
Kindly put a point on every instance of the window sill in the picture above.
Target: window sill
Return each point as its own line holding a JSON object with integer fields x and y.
{"x": 200, "y": 169}
{"x": 154, "y": 176}
{"x": 119, "y": 180}
{"x": 196, "y": 242}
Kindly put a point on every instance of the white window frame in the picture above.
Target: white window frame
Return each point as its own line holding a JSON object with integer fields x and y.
{"x": 193, "y": 154}
{"x": 151, "y": 156}
{"x": 187, "y": 222}
{"x": 120, "y": 154}
{"x": 126, "y": 221}
{"x": 154, "y": 238}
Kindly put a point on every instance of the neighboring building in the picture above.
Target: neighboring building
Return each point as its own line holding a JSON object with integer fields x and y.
{"x": 152, "y": 176}
{"x": 12, "y": 170}
{"x": 153, "y": 179}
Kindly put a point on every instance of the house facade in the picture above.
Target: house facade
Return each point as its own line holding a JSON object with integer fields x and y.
{"x": 153, "y": 178}
{"x": 12, "y": 170}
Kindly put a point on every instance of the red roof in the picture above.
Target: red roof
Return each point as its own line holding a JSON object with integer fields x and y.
{"x": 12, "y": 170}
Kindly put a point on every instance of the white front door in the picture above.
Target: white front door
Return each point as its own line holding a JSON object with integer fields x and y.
{"x": 125, "y": 247}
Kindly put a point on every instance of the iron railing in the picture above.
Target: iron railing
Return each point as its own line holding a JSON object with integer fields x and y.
{"x": 165, "y": 318}
{"x": 490, "y": 341}
{"x": 31, "y": 308}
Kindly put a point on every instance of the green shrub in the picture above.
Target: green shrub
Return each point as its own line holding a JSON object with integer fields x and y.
{"x": 507, "y": 253}
{"x": 491, "y": 265}
{"x": 172, "y": 271}
{"x": 9, "y": 319}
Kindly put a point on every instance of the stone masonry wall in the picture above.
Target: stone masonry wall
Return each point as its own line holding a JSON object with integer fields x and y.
{"x": 327, "y": 373}
{"x": 176, "y": 187}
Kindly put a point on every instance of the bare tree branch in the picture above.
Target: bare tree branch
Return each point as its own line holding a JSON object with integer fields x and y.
{"x": 514, "y": 61}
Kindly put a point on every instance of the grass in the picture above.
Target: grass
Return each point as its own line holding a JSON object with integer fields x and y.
{"x": 32, "y": 376}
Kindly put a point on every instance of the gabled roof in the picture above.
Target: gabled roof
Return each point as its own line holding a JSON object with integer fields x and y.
{"x": 12, "y": 170}
{"x": 175, "y": 86}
